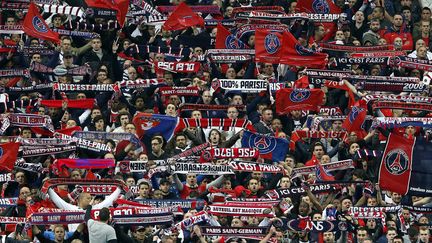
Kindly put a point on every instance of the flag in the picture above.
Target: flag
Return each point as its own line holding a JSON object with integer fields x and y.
{"x": 183, "y": 17}
{"x": 397, "y": 171}
{"x": 8, "y": 156}
{"x": 289, "y": 99}
{"x": 318, "y": 7}
{"x": 149, "y": 124}
{"x": 121, "y": 6}
{"x": 321, "y": 173}
{"x": 226, "y": 40}
{"x": 302, "y": 83}
{"x": 35, "y": 26}
{"x": 268, "y": 46}
{"x": 293, "y": 53}
{"x": 356, "y": 117}
{"x": 269, "y": 147}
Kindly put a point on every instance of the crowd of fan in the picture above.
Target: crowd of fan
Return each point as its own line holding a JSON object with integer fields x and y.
{"x": 403, "y": 23}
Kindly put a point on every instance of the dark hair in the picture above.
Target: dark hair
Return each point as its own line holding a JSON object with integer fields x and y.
{"x": 104, "y": 214}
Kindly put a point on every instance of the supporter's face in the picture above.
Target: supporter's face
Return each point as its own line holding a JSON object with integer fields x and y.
{"x": 325, "y": 159}
{"x": 70, "y": 123}
{"x": 144, "y": 190}
{"x": 75, "y": 175}
{"x": 406, "y": 214}
{"x": 86, "y": 200}
{"x": 132, "y": 73}
{"x": 156, "y": 146}
{"x": 346, "y": 204}
{"x": 425, "y": 15}
{"x": 37, "y": 58}
{"x": 130, "y": 128}
{"x": 406, "y": 14}
{"x": 96, "y": 44}
{"x": 375, "y": 26}
{"x": 181, "y": 141}
{"x": 317, "y": 217}
{"x": 397, "y": 20}
{"x": 268, "y": 69}
{"x": 227, "y": 185}
{"x": 296, "y": 113}
{"x": 372, "y": 202}
{"x": 207, "y": 98}
{"x": 236, "y": 223}
{"x": 382, "y": 42}
{"x": 320, "y": 31}
{"x": 251, "y": 41}
{"x": 290, "y": 162}
{"x": 10, "y": 21}
{"x": 26, "y": 133}
{"x": 391, "y": 234}
{"x": 169, "y": 79}
{"x": 337, "y": 125}
{"x": 371, "y": 223}
{"x": 24, "y": 193}
{"x": 396, "y": 197}
{"x": 391, "y": 224}
{"x": 231, "y": 73}
{"x": 196, "y": 115}
{"x": 171, "y": 110}
{"x": 57, "y": 22}
{"x": 95, "y": 112}
{"x": 237, "y": 100}
{"x": 124, "y": 119}
{"x": 20, "y": 178}
{"x": 422, "y": 52}
{"x": 406, "y": 3}
{"x": 253, "y": 185}
{"x": 276, "y": 124}
{"x": 285, "y": 183}
{"x": 318, "y": 152}
{"x": 99, "y": 125}
{"x": 214, "y": 137}
{"x": 339, "y": 35}
{"x": 354, "y": 148}
{"x": 303, "y": 208}
{"x": 126, "y": 45}
{"x": 328, "y": 237}
{"x": 66, "y": 45}
{"x": 191, "y": 179}
{"x": 140, "y": 234}
{"x": 164, "y": 187}
{"x": 361, "y": 235}
{"x": 268, "y": 115}
{"x": 59, "y": 234}
{"x": 232, "y": 113}
{"x": 376, "y": 13}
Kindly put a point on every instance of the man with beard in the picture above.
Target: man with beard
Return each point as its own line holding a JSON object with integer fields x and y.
{"x": 397, "y": 30}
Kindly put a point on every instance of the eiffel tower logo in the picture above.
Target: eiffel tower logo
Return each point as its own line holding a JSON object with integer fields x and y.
{"x": 261, "y": 143}
{"x": 396, "y": 163}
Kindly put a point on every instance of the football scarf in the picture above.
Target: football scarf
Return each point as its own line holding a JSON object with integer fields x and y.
{"x": 33, "y": 152}
{"x": 335, "y": 47}
{"x": 33, "y": 88}
{"x": 14, "y": 29}
{"x": 36, "y": 168}
{"x": 246, "y": 166}
{"x": 119, "y": 136}
{"x": 361, "y": 60}
{"x": 84, "y": 163}
{"x": 402, "y": 106}
{"x": 7, "y": 202}
{"x": 63, "y": 9}
{"x": 392, "y": 86}
{"x": 140, "y": 83}
{"x": 180, "y": 91}
{"x": 202, "y": 169}
{"x": 412, "y": 63}
{"x": 372, "y": 212}
{"x": 84, "y": 143}
{"x": 392, "y": 122}
{"x": 253, "y": 200}
{"x": 223, "y": 209}
{"x": 358, "y": 78}
{"x": 245, "y": 85}
{"x": 14, "y": 72}
{"x": 204, "y": 107}
{"x": 178, "y": 67}
{"x": 86, "y": 87}
{"x": 183, "y": 203}
{"x": 146, "y": 6}
{"x": 78, "y": 104}
{"x": 397, "y": 98}
{"x": 83, "y": 182}
{"x": 82, "y": 34}
{"x": 316, "y": 189}
{"x": 338, "y": 165}
{"x": 195, "y": 150}
{"x": 233, "y": 231}
{"x": 227, "y": 153}
{"x": 25, "y": 120}
{"x": 224, "y": 123}
{"x": 91, "y": 27}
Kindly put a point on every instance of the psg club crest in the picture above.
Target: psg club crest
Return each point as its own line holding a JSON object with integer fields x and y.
{"x": 39, "y": 25}
{"x": 232, "y": 43}
{"x": 264, "y": 144}
{"x": 355, "y": 111}
{"x": 301, "y": 50}
{"x": 299, "y": 95}
{"x": 320, "y": 7}
{"x": 271, "y": 43}
{"x": 148, "y": 123}
{"x": 396, "y": 162}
